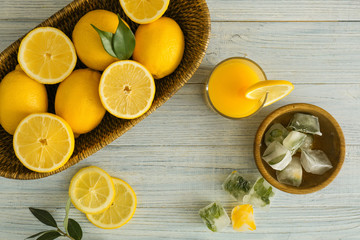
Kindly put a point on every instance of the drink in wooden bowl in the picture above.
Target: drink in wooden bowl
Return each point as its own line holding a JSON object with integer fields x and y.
{"x": 226, "y": 87}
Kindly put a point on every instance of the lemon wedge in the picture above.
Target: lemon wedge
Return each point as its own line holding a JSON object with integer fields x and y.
{"x": 92, "y": 190}
{"x": 143, "y": 12}
{"x": 127, "y": 89}
{"x": 276, "y": 90}
{"x": 47, "y": 55}
{"x": 121, "y": 210}
{"x": 43, "y": 142}
{"x": 242, "y": 218}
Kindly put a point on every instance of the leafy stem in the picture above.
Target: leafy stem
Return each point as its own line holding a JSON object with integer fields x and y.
{"x": 65, "y": 234}
{"x": 72, "y": 231}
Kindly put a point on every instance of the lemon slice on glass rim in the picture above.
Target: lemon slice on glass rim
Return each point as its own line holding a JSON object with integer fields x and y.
{"x": 275, "y": 89}
{"x": 143, "y": 12}
{"x": 120, "y": 211}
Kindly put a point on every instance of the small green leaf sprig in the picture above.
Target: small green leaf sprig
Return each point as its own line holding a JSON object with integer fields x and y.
{"x": 120, "y": 44}
{"x": 72, "y": 228}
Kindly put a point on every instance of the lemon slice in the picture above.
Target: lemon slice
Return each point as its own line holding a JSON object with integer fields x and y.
{"x": 144, "y": 11}
{"x": 121, "y": 211}
{"x": 127, "y": 89}
{"x": 43, "y": 142}
{"x": 242, "y": 218}
{"x": 47, "y": 55}
{"x": 276, "y": 89}
{"x": 92, "y": 190}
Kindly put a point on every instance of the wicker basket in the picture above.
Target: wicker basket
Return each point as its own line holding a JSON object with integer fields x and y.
{"x": 193, "y": 18}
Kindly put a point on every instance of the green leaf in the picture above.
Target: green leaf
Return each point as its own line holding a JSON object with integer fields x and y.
{"x": 263, "y": 192}
{"x": 37, "y": 234}
{"x": 50, "y": 235}
{"x": 74, "y": 229}
{"x": 210, "y": 213}
{"x": 106, "y": 40}
{"x": 66, "y": 219}
{"x": 276, "y": 133}
{"x": 44, "y": 217}
{"x": 123, "y": 41}
{"x": 243, "y": 184}
{"x": 277, "y": 159}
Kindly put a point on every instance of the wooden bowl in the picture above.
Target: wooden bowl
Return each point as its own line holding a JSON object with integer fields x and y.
{"x": 332, "y": 142}
{"x": 194, "y": 19}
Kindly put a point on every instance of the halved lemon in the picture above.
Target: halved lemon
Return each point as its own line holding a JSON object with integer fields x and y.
{"x": 92, "y": 190}
{"x": 127, "y": 89}
{"x": 276, "y": 89}
{"x": 144, "y": 11}
{"x": 47, "y": 55}
{"x": 121, "y": 210}
{"x": 43, "y": 142}
{"x": 242, "y": 218}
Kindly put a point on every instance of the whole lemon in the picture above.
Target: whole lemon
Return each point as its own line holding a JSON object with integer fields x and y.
{"x": 87, "y": 41}
{"x": 77, "y": 100}
{"x": 20, "y": 96}
{"x": 159, "y": 46}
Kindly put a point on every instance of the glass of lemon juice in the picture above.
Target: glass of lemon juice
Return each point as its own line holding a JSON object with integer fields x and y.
{"x": 226, "y": 87}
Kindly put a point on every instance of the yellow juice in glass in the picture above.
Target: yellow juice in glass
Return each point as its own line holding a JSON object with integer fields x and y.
{"x": 227, "y": 84}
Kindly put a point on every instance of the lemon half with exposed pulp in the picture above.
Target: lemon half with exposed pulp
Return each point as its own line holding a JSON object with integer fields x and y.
{"x": 144, "y": 11}
{"x": 43, "y": 142}
{"x": 47, "y": 55}
{"x": 121, "y": 210}
{"x": 127, "y": 89}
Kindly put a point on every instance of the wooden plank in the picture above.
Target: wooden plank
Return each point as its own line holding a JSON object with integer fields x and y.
{"x": 184, "y": 223}
{"x": 298, "y": 52}
{"x": 284, "y": 10}
{"x": 220, "y": 10}
{"x": 30, "y": 10}
{"x": 180, "y": 177}
{"x": 186, "y": 120}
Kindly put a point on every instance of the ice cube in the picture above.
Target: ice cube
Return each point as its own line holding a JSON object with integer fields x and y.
{"x": 260, "y": 193}
{"x": 308, "y": 142}
{"x": 277, "y": 156}
{"x": 293, "y": 141}
{"x": 242, "y": 218}
{"x": 315, "y": 161}
{"x": 305, "y": 123}
{"x": 276, "y": 132}
{"x": 236, "y": 185}
{"x": 292, "y": 174}
{"x": 215, "y": 217}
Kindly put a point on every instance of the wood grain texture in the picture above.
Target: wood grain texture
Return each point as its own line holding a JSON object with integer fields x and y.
{"x": 284, "y": 10}
{"x": 177, "y": 158}
{"x": 221, "y": 10}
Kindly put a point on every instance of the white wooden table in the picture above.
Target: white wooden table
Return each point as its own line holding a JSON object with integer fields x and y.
{"x": 177, "y": 158}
